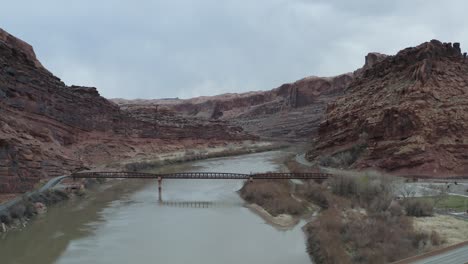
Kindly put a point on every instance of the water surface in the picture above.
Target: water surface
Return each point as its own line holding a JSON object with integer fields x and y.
{"x": 198, "y": 221}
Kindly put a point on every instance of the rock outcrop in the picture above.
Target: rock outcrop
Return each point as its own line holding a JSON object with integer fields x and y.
{"x": 409, "y": 112}
{"x": 48, "y": 128}
{"x": 21, "y": 46}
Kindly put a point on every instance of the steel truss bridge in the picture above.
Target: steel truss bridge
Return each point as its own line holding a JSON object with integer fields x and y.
{"x": 201, "y": 175}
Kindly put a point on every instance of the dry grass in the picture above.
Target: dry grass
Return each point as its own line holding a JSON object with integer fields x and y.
{"x": 274, "y": 196}
{"x": 324, "y": 242}
{"x": 315, "y": 193}
{"x": 450, "y": 229}
{"x": 364, "y": 224}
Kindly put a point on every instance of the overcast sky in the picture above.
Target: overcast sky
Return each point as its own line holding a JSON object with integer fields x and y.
{"x": 186, "y": 48}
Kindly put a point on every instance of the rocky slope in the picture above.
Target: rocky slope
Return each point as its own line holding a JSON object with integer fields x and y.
{"x": 406, "y": 114}
{"x": 48, "y": 128}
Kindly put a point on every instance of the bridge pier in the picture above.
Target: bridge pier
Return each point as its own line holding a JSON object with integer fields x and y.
{"x": 159, "y": 188}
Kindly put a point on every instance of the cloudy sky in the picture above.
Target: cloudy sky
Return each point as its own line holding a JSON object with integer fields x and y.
{"x": 186, "y": 48}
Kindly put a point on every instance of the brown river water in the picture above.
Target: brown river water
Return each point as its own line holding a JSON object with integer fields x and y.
{"x": 198, "y": 222}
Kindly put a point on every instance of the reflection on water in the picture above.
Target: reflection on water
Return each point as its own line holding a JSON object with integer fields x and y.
{"x": 196, "y": 221}
{"x": 198, "y": 204}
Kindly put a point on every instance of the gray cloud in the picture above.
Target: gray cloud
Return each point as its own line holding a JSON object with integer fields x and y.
{"x": 185, "y": 48}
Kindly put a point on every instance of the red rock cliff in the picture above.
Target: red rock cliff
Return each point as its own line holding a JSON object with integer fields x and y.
{"x": 410, "y": 110}
{"x": 48, "y": 128}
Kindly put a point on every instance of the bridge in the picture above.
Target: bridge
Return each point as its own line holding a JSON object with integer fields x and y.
{"x": 200, "y": 175}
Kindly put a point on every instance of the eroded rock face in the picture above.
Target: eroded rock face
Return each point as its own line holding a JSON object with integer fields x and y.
{"x": 20, "y": 46}
{"x": 48, "y": 129}
{"x": 370, "y": 60}
{"x": 292, "y": 111}
{"x": 411, "y": 110}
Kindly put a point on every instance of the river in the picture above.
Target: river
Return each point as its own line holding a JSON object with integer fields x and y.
{"x": 198, "y": 221}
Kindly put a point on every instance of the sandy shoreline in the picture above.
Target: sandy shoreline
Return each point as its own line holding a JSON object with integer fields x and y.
{"x": 282, "y": 221}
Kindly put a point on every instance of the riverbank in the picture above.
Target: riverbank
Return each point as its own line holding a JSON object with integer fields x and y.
{"x": 16, "y": 213}
{"x": 194, "y": 154}
{"x": 281, "y": 203}
{"x": 282, "y": 221}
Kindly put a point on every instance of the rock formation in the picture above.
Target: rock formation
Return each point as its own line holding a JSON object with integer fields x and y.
{"x": 409, "y": 112}
{"x": 48, "y": 129}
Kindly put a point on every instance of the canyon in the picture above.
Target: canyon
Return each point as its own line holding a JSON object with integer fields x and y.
{"x": 404, "y": 114}
{"x": 49, "y": 129}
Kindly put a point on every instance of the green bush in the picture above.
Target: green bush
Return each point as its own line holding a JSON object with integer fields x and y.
{"x": 418, "y": 208}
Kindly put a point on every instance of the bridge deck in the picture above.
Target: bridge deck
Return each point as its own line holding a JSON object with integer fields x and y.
{"x": 200, "y": 175}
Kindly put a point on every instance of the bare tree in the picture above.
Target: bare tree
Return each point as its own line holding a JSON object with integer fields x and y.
{"x": 438, "y": 192}
{"x": 406, "y": 190}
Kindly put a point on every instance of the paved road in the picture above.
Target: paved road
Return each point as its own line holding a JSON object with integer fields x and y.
{"x": 300, "y": 158}
{"x": 456, "y": 256}
{"x": 51, "y": 183}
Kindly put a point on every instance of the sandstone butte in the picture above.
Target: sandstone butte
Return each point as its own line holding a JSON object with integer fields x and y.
{"x": 408, "y": 110}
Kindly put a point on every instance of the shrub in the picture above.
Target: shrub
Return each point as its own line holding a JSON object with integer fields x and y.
{"x": 419, "y": 239}
{"x": 18, "y": 211}
{"x": 343, "y": 186}
{"x": 30, "y": 209}
{"x": 273, "y": 196}
{"x": 315, "y": 193}
{"x": 395, "y": 208}
{"x": 371, "y": 191}
{"x": 436, "y": 240}
{"x": 343, "y": 158}
{"x": 61, "y": 193}
{"x": 6, "y": 218}
{"x": 323, "y": 239}
{"x": 326, "y": 161}
{"x": 378, "y": 232}
{"x": 418, "y": 207}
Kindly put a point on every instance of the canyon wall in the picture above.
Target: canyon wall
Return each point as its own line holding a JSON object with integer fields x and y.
{"x": 407, "y": 114}
{"x": 48, "y": 128}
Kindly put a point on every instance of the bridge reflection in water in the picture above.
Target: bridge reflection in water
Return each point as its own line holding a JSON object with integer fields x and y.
{"x": 197, "y": 204}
